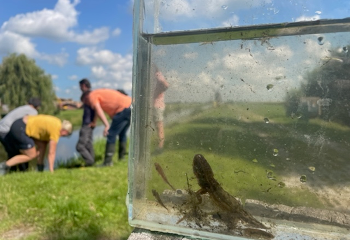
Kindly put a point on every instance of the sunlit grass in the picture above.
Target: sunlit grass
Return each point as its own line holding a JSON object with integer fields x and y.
{"x": 80, "y": 203}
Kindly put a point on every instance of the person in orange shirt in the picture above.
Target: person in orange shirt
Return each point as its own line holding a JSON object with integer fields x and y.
{"x": 41, "y": 130}
{"x": 117, "y": 106}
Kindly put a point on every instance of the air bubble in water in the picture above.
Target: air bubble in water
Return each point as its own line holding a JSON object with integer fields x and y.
{"x": 275, "y": 152}
{"x": 320, "y": 40}
{"x": 224, "y": 7}
{"x": 303, "y": 178}
{"x": 266, "y": 120}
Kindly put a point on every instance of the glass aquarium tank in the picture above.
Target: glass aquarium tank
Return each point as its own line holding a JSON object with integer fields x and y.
{"x": 241, "y": 119}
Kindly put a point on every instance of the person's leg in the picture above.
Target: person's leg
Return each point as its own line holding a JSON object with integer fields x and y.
{"x": 25, "y": 156}
{"x": 160, "y": 130}
{"x": 158, "y": 119}
{"x": 8, "y": 149}
{"x": 90, "y": 144}
{"x": 119, "y": 122}
{"x": 122, "y": 142}
{"x": 84, "y": 145}
{"x": 21, "y": 144}
{"x": 41, "y": 146}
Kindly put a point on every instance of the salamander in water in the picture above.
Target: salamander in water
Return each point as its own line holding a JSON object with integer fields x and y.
{"x": 222, "y": 199}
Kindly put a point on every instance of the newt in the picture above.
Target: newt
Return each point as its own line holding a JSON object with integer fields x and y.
{"x": 222, "y": 199}
{"x": 157, "y": 197}
{"x": 162, "y": 174}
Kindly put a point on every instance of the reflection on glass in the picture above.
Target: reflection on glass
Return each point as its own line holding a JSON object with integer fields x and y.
{"x": 257, "y": 131}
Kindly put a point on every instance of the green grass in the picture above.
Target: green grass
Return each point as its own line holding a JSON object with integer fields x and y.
{"x": 80, "y": 203}
{"x": 74, "y": 116}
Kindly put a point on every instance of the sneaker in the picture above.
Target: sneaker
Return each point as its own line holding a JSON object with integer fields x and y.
{"x": 3, "y": 168}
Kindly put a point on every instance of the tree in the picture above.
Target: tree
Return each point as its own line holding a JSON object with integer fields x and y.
{"x": 330, "y": 82}
{"x": 21, "y": 79}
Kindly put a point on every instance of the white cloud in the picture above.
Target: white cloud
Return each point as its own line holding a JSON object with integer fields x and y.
{"x": 15, "y": 43}
{"x": 308, "y": 18}
{"x": 232, "y": 21}
{"x": 116, "y": 32}
{"x": 184, "y": 9}
{"x": 191, "y": 55}
{"x": 54, "y": 77}
{"x": 109, "y": 68}
{"x": 73, "y": 77}
{"x": 55, "y": 24}
{"x": 12, "y": 42}
{"x": 57, "y": 89}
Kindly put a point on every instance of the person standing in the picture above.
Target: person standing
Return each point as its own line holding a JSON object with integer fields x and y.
{"x": 25, "y": 133}
{"x": 117, "y": 106}
{"x": 159, "y": 107}
{"x": 85, "y": 142}
{"x": 5, "y": 124}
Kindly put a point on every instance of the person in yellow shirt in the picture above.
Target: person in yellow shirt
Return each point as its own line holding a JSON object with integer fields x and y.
{"x": 42, "y": 131}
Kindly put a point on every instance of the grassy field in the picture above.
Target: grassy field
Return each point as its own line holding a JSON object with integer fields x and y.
{"x": 77, "y": 203}
{"x": 74, "y": 116}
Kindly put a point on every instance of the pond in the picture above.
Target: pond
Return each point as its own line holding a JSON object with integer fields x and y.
{"x": 66, "y": 145}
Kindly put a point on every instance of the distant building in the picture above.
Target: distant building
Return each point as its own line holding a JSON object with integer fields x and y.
{"x": 68, "y": 104}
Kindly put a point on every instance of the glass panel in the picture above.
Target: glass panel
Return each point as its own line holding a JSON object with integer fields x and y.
{"x": 248, "y": 137}
{"x": 176, "y": 15}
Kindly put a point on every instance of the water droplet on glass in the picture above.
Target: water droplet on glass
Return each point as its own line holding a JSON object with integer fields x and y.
{"x": 224, "y": 7}
{"x": 269, "y": 175}
{"x": 312, "y": 169}
{"x": 255, "y": 160}
{"x": 281, "y": 184}
{"x": 266, "y": 120}
{"x": 275, "y": 152}
{"x": 303, "y": 178}
{"x": 318, "y": 12}
{"x": 320, "y": 40}
{"x": 345, "y": 49}
{"x": 269, "y": 86}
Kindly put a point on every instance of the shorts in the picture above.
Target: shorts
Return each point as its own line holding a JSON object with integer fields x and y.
{"x": 158, "y": 114}
{"x": 17, "y": 139}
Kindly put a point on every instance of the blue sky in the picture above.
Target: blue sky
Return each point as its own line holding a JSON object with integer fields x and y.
{"x": 75, "y": 39}
{"x": 71, "y": 40}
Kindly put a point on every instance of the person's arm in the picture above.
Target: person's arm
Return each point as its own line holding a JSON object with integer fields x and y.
{"x": 94, "y": 121}
{"x": 160, "y": 77}
{"x": 52, "y": 154}
{"x": 99, "y": 112}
